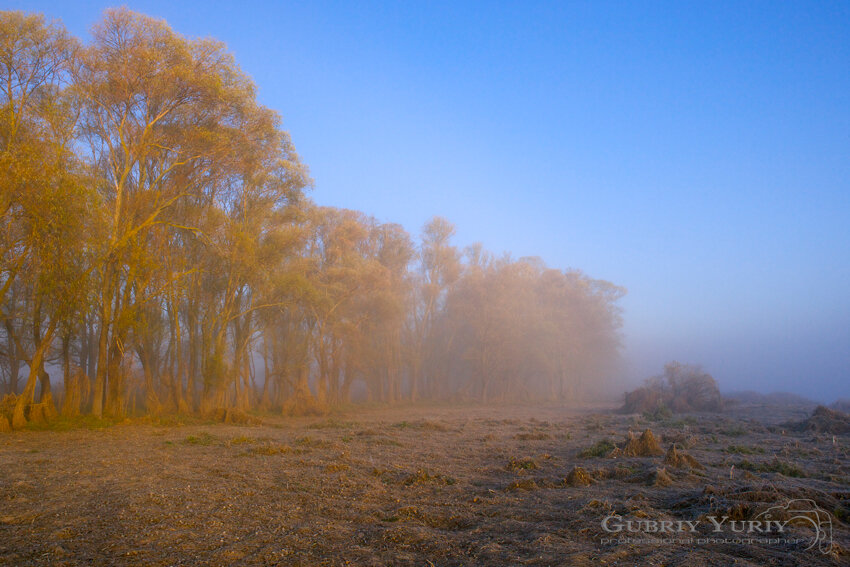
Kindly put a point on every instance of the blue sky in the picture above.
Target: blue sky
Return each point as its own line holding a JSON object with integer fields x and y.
{"x": 697, "y": 154}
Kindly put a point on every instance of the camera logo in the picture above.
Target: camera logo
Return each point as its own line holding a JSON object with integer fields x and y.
{"x": 803, "y": 512}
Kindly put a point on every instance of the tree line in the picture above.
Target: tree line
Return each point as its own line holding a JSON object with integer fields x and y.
{"x": 158, "y": 254}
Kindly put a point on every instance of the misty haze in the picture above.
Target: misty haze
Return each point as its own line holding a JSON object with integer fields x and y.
{"x": 424, "y": 284}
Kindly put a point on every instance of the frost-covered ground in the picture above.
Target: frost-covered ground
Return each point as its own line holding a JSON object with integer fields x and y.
{"x": 425, "y": 486}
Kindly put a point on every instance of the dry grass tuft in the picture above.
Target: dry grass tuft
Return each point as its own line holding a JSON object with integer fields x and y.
{"x": 825, "y": 420}
{"x": 578, "y": 477}
{"x": 422, "y": 476}
{"x": 336, "y": 467}
{"x": 534, "y": 436}
{"x": 434, "y": 425}
{"x": 269, "y": 449}
{"x": 644, "y": 446}
{"x": 203, "y": 439}
{"x": 661, "y": 478}
{"x": 680, "y": 459}
{"x": 523, "y": 464}
{"x": 242, "y": 440}
{"x": 523, "y": 484}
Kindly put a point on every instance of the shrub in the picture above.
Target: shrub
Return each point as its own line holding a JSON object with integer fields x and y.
{"x": 682, "y": 388}
{"x": 600, "y": 449}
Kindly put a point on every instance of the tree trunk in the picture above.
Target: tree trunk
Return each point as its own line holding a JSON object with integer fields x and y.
{"x": 112, "y": 404}
{"x": 191, "y": 381}
{"x": 415, "y": 377}
{"x": 46, "y": 396}
{"x": 102, "y": 347}
{"x": 18, "y": 418}
{"x": 13, "y": 356}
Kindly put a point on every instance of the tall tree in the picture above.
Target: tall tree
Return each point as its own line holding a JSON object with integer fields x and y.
{"x": 42, "y": 198}
{"x": 439, "y": 268}
{"x": 169, "y": 120}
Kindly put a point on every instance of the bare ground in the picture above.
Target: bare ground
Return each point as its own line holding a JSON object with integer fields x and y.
{"x": 416, "y": 486}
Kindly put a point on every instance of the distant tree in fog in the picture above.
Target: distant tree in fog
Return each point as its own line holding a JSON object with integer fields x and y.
{"x": 681, "y": 388}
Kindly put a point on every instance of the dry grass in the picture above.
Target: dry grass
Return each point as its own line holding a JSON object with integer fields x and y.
{"x": 467, "y": 486}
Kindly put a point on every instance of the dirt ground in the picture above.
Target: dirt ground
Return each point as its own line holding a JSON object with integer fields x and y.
{"x": 423, "y": 486}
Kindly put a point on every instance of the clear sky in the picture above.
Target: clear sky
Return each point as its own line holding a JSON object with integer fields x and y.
{"x": 696, "y": 153}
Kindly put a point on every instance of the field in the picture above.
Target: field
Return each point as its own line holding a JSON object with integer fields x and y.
{"x": 420, "y": 486}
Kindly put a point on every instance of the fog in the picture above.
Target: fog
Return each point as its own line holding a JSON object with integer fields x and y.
{"x": 813, "y": 367}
